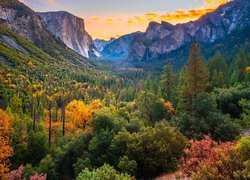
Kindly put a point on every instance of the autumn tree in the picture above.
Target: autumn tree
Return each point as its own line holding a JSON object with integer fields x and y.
{"x": 6, "y": 150}
{"x": 167, "y": 82}
{"x": 162, "y": 110}
{"x": 19, "y": 174}
{"x": 78, "y": 113}
{"x": 197, "y": 76}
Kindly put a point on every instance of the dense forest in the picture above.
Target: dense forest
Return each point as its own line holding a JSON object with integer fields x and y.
{"x": 62, "y": 121}
{"x": 179, "y": 110}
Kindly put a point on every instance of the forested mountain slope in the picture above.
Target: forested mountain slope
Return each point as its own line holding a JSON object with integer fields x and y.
{"x": 25, "y": 22}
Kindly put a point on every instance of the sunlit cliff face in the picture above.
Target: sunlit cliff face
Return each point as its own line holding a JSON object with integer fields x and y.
{"x": 116, "y": 25}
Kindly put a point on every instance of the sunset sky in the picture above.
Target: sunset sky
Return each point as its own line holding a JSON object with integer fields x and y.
{"x": 113, "y": 18}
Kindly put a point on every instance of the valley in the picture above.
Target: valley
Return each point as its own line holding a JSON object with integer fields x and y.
{"x": 174, "y": 99}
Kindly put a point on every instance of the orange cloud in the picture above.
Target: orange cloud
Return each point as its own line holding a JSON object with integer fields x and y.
{"x": 95, "y": 19}
{"x": 151, "y": 16}
{"x": 214, "y": 3}
{"x": 182, "y": 16}
{"x": 138, "y": 19}
{"x": 120, "y": 24}
{"x": 131, "y": 22}
{"x": 109, "y": 20}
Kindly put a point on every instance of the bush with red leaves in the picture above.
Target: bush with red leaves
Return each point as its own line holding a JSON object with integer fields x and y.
{"x": 208, "y": 152}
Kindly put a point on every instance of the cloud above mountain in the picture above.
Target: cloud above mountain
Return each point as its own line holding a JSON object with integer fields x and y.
{"x": 108, "y": 18}
{"x": 120, "y": 24}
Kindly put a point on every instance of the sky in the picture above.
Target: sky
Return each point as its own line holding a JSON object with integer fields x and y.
{"x": 112, "y": 18}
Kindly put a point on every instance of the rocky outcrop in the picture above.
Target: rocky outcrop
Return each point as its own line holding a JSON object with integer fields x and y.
{"x": 12, "y": 43}
{"x": 118, "y": 49}
{"x": 70, "y": 29}
{"x": 100, "y": 44}
{"x": 156, "y": 31}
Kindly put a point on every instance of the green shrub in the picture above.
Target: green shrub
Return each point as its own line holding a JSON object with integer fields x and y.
{"x": 106, "y": 172}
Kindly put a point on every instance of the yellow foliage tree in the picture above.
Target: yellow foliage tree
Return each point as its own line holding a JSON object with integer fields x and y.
{"x": 168, "y": 107}
{"x": 248, "y": 69}
{"x": 78, "y": 113}
{"x": 6, "y": 150}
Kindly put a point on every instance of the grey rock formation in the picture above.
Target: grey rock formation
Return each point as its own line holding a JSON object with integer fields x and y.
{"x": 100, "y": 44}
{"x": 70, "y": 29}
{"x": 12, "y": 43}
{"x": 160, "y": 39}
{"x": 118, "y": 49}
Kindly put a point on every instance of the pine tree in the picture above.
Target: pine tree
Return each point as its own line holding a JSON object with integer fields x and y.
{"x": 197, "y": 77}
{"x": 218, "y": 70}
{"x": 167, "y": 81}
{"x": 145, "y": 102}
{"x": 182, "y": 96}
{"x": 242, "y": 61}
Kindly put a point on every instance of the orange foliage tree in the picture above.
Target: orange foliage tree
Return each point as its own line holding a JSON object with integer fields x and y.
{"x": 167, "y": 106}
{"x": 78, "y": 113}
{"x": 6, "y": 150}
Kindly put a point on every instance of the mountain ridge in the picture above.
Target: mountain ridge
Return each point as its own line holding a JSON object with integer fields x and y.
{"x": 22, "y": 20}
{"x": 162, "y": 39}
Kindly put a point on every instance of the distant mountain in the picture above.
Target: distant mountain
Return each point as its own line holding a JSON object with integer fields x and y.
{"x": 24, "y": 21}
{"x": 163, "y": 41}
{"x": 71, "y": 30}
{"x": 100, "y": 44}
{"x": 118, "y": 49}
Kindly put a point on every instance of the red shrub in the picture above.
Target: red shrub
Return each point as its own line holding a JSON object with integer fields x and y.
{"x": 200, "y": 153}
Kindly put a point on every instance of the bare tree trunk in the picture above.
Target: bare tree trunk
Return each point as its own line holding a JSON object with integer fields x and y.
{"x": 50, "y": 119}
{"x": 56, "y": 114}
{"x": 34, "y": 119}
{"x": 63, "y": 120}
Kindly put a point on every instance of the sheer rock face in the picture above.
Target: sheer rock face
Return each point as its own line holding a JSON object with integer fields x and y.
{"x": 70, "y": 29}
{"x": 161, "y": 39}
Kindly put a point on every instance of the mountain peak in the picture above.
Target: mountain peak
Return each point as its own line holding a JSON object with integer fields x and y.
{"x": 60, "y": 13}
